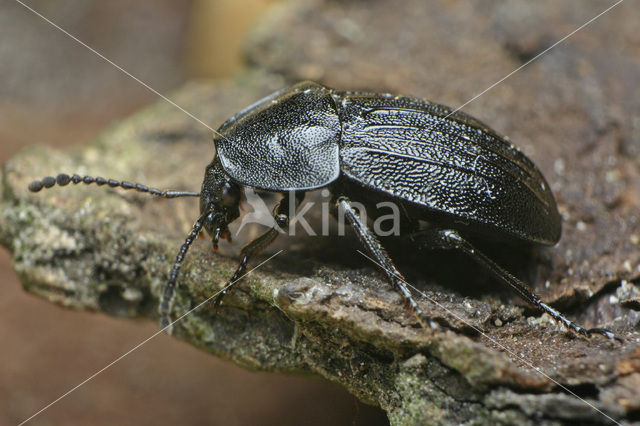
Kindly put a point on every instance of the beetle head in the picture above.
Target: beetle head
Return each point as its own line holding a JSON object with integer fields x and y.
{"x": 220, "y": 196}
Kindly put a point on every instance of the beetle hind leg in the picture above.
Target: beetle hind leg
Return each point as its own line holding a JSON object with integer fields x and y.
{"x": 451, "y": 239}
{"x": 380, "y": 256}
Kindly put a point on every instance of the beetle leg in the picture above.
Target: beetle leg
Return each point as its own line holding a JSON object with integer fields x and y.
{"x": 375, "y": 249}
{"x": 253, "y": 248}
{"x": 451, "y": 239}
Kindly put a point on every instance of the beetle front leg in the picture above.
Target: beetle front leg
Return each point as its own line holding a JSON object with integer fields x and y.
{"x": 252, "y": 249}
{"x": 451, "y": 239}
{"x": 375, "y": 249}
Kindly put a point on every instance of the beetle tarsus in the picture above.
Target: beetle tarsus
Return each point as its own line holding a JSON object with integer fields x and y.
{"x": 604, "y": 332}
{"x": 450, "y": 239}
{"x": 236, "y": 277}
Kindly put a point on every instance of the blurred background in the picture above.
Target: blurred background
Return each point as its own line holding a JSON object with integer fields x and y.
{"x": 55, "y": 92}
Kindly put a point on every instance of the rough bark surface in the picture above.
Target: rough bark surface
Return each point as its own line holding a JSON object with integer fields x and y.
{"x": 320, "y": 307}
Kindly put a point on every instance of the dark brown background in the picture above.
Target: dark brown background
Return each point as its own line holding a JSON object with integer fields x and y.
{"x": 56, "y": 92}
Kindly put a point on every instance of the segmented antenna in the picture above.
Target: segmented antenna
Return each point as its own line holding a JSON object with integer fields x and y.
{"x": 64, "y": 179}
{"x": 165, "y": 320}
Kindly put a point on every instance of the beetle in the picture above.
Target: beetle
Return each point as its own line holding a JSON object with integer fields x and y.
{"x": 440, "y": 165}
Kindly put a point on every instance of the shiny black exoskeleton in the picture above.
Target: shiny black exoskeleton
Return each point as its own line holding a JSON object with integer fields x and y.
{"x": 439, "y": 165}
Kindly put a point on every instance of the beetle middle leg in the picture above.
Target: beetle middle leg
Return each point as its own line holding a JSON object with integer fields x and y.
{"x": 375, "y": 249}
{"x": 253, "y": 248}
{"x": 451, "y": 239}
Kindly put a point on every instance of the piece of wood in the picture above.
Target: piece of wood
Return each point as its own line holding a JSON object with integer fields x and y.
{"x": 320, "y": 307}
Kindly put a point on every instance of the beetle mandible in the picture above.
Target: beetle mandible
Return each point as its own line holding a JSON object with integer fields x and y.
{"x": 442, "y": 166}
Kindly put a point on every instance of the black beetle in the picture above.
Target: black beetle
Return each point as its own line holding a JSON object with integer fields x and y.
{"x": 439, "y": 165}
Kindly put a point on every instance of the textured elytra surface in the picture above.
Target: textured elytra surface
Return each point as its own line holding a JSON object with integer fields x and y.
{"x": 446, "y": 163}
{"x": 318, "y": 308}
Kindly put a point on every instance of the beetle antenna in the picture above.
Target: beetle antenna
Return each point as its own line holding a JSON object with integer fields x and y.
{"x": 64, "y": 179}
{"x": 165, "y": 320}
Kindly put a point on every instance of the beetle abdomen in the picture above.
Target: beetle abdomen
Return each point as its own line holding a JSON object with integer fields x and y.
{"x": 454, "y": 165}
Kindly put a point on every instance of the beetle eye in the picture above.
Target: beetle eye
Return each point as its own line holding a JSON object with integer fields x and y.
{"x": 230, "y": 195}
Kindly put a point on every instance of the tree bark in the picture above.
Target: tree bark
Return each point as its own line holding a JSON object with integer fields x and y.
{"x": 319, "y": 307}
